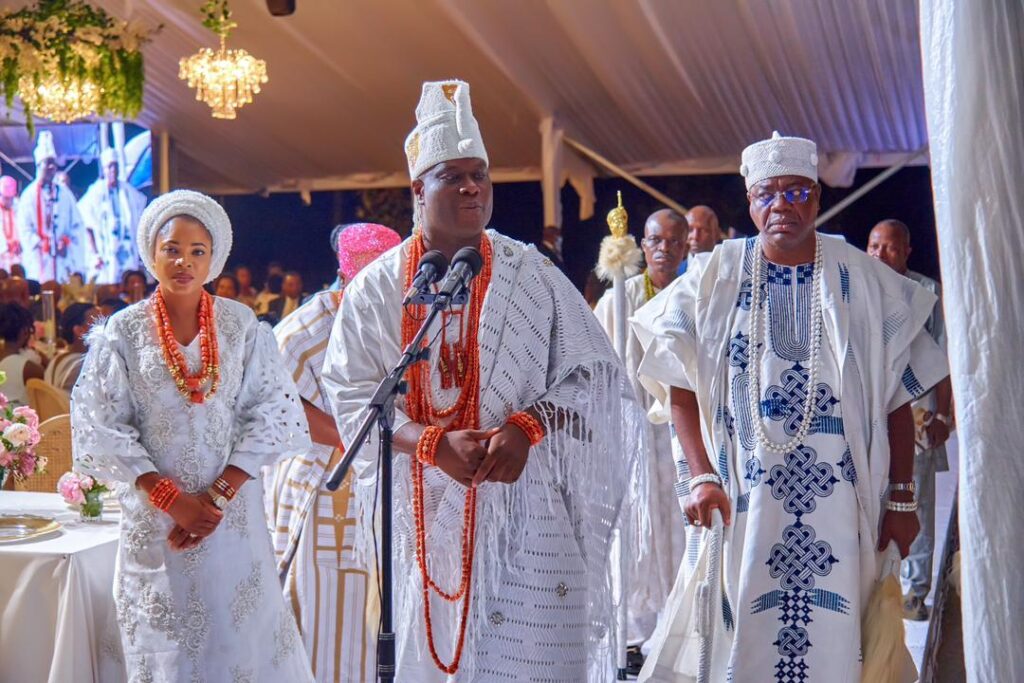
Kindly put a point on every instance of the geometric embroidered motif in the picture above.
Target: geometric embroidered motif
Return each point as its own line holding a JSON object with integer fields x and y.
{"x": 911, "y": 383}
{"x": 844, "y": 281}
{"x": 785, "y": 401}
{"x": 846, "y": 465}
{"x": 801, "y": 481}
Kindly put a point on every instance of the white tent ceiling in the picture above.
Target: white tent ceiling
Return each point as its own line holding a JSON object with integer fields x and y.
{"x": 657, "y": 86}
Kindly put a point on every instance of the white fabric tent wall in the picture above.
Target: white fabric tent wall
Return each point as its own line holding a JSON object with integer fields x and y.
{"x": 974, "y": 98}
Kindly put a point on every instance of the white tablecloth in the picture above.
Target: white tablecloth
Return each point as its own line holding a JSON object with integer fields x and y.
{"x": 56, "y": 598}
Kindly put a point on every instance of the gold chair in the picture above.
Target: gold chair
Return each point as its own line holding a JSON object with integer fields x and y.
{"x": 47, "y": 400}
{"x": 55, "y": 444}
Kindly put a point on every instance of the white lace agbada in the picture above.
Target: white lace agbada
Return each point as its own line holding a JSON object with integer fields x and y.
{"x": 214, "y": 613}
{"x": 542, "y": 603}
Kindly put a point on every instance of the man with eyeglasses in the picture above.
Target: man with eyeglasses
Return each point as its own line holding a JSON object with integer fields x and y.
{"x": 664, "y": 246}
{"x": 787, "y": 362}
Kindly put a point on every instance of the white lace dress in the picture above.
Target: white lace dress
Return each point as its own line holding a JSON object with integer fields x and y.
{"x": 214, "y": 613}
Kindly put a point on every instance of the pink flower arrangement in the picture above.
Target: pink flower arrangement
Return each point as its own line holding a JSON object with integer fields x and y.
{"x": 19, "y": 436}
{"x": 77, "y": 488}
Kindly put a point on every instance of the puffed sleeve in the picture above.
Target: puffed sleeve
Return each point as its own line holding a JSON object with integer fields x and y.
{"x": 104, "y": 439}
{"x": 271, "y": 422}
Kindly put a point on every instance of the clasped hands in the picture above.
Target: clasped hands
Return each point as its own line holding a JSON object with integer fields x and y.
{"x": 473, "y": 456}
{"x": 195, "y": 517}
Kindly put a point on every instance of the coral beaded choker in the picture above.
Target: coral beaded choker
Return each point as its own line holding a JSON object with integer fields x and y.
{"x": 191, "y": 386}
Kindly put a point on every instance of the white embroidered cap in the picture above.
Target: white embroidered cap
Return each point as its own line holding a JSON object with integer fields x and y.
{"x": 445, "y": 128}
{"x": 779, "y": 156}
{"x": 44, "y": 147}
{"x": 186, "y": 203}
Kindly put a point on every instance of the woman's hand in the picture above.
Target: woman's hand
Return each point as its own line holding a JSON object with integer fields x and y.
{"x": 196, "y": 515}
{"x": 702, "y": 500}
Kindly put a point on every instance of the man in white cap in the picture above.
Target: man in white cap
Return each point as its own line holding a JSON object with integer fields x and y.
{"x": 664, "y": 246}
{"x": 50, "y": 224}
{"x": 788, "y": 362}
{"x": 327, "y": 582}
{"x": 111, "y": 209}
{"x": 515, "y": 444}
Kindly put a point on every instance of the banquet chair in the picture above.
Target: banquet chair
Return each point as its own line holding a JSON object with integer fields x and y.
{"x": 47, "y": 400}
{"x": 55, "y": 444}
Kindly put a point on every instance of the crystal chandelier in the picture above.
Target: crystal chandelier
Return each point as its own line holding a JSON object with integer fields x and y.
{"x": 224, "y": 79}
{"x": 61, "y": 100}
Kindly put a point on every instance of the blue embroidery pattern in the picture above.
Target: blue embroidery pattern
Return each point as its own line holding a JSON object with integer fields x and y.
{"x": 844, "y": 281}
{"x": 785, "y": 402}
{"x": 798, "y": 559}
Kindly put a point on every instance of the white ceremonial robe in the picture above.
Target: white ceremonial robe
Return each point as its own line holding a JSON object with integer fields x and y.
{"x": 213, "y": 613}
{"x": 64, "y": 233}
{"x": 329, "y": 585}
{"x": 542, "y": 605}
{"x": 654, "y": 572}
{"x": 115, "y": 249}
{"x": 799, "y": 560}
{"x": 10, "y": 237}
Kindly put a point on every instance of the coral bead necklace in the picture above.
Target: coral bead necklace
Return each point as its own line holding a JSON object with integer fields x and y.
{"x": 190, "y": 385}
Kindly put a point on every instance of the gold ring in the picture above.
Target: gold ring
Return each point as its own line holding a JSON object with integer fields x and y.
{"x": 192, "y": 536}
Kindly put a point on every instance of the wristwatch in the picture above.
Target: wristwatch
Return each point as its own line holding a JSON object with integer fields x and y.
{"x": 219, "y": 500}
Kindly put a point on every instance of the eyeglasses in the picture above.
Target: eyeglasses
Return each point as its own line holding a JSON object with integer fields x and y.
{"x": 796, "y": 195}
{"x": 653, "y": 242}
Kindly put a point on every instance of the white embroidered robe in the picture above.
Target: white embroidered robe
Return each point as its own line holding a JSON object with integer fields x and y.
{"x": 62, "y": 226}
{"x": 330, "y": 586}
{"x": 542, "y": 605}
{"x": 654, "y": 573}
{"x": 114, "y": 229}
{"x": 799, "y": 558}
{"x": 214, "y": 613}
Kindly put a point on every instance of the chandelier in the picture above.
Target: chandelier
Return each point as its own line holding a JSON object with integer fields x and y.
{"x": 61, "y": 100}
{"x": 224, "y": 79}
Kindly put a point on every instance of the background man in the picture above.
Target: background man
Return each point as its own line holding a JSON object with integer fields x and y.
{"x": 703, "y": 235}
{"x": 889, "y": 242}
{"x": 649, "y": 585}
{"x": 111, "y": 210}
{"x": 314, "y": 529}
{"x": 50, "y": 224}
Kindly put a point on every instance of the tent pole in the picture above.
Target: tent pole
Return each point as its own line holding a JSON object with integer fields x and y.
{"x": 19, "y": 169}
{"x": 867, "y": 187}
{"x": 623, "y": 173}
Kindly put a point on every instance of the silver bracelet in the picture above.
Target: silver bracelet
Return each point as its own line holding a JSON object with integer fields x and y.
{"x": 896, "y": 506}
{"x": 706, "y": 479}
{"x": 909, "y": 486}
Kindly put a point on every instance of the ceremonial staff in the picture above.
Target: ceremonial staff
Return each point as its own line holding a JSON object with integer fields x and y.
{"x": 619, "y": 259}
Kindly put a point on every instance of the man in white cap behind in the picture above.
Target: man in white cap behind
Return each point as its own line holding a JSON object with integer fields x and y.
{"x": 788, "y": 362}
{"x": 516, "y": 442}
{"x": 111, "y": 209}
{"x": 49, "y": 221}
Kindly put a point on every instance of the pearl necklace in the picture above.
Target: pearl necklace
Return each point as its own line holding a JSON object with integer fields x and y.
{"x": 757, "y": 345}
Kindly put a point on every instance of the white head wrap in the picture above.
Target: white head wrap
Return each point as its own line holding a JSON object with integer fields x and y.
{"x": 186, "y": 203}
{"x": 445, "y": 128}
{"x": 108, "y": 156}
{"x": 779, "y": 156}
{"x": 44, "y": 147}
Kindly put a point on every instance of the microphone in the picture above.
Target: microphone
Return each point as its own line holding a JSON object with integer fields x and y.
{"x": 466, "y": 265}
{"x": 431, "y": 268}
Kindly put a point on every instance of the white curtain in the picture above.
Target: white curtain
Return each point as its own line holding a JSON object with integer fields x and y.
{"x": 973, "y": 58}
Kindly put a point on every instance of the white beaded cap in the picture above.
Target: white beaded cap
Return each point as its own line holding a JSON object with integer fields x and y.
{"x": 779, "y": 156}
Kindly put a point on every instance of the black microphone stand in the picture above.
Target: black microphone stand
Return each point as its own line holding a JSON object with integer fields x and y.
{"x": 381, "y": 410}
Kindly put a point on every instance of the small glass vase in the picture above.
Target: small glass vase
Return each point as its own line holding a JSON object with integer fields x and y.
{"x": 92, "y": 509}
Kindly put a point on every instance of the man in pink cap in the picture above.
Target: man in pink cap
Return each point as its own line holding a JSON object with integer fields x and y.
{"x": 312, "y": 527}
{"x": 11, "y": 245}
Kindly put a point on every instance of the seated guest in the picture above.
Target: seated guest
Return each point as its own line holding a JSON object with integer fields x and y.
{"x": 16, "y": 328}
{"x": 291, "y": 296}
{"x": 270, "y": 294}
{"x": 63, "y": 370}
{"x": 247, "y": 292}
{"x": 109, "y": 307}
{"x": 226, "y": 287}
{"x": 133, "y": 286}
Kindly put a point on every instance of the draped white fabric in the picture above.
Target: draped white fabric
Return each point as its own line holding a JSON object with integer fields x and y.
{"x": 654, "y": 85}
{"x": 974, "y": 88}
